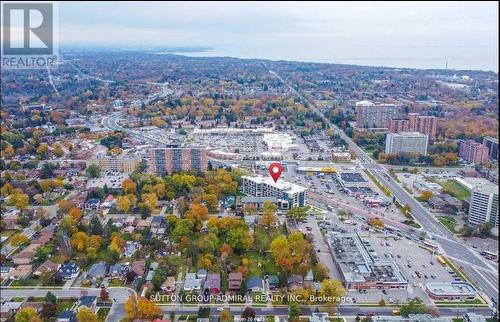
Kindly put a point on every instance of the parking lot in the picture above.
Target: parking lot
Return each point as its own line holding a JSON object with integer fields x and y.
{"x": 411, "y": 259}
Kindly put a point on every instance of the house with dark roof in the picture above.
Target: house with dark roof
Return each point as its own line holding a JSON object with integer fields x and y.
{"x": 68, "y": 270}
{"x": 274, "y": 282}
{"x": 295, "y": 281}
{"x": 66, "y": 316}
{"x": 192, "y": 283}
{"x": 234, "y": 281}
{"x": 91, "y": 204}
{"x": 255, "y": 284}
{"x": 169, "y": 285}
{"x": 89, "y": 301}
{"x": 139, "y": 268}
{"x": 212, "y": 283}
{"x": 97, "y": 270}
{"x": 118, "y": 270}
{"x": 47, "y": 266}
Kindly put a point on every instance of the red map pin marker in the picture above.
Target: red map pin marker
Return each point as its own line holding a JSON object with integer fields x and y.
{"x": 275, "y": 170}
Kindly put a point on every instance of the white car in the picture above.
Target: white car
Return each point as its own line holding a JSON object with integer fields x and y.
{"x": 391, "y": 300}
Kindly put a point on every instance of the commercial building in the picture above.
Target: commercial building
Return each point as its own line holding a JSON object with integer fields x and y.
{"x": 361, "y": 269}
{"x": 473, "y": 152}
{"x": 415, "y": 123}
{"x": 473, "y": 317}
{"x": 287, "y": 194}
{"x": 410, "y": 318}
{"x": 406, "y": 142}
{"x": 370, "y": 115}
{"x": 483, "y": 206}
{"x": 451, "y": 291}
{"x": 115, "y": 163}
{"x": 169, "y": 160}
{"x": 492, "y": 145}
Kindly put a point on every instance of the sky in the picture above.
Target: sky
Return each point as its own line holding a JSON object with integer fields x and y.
{"x": 395, "y": 34}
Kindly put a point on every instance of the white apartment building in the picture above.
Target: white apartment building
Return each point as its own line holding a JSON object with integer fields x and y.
{"x": 484, "y": 206}
{"x": 115, "y": 163}
{"x": 406, "y": 142}
{"x": 260, "y": 186}
{"x": 371, "y": 115}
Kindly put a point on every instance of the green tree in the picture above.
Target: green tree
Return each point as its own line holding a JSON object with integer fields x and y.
{"x": 415, "y": 306}
{"x": 294, "y": 310}
{"x": 298, "y": 213}
{"x": 93, "y": 171}
{"x": 27, "y": 314}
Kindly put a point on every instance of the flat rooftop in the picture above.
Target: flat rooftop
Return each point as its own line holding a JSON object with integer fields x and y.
{"x": 452, "y": 289}
{"x": 280, "y": 184}
{"x": 112, "y": 181}
{"x": 359, "y": 264}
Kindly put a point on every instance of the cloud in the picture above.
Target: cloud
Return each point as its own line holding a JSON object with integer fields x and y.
{"x": 296, "y": 30}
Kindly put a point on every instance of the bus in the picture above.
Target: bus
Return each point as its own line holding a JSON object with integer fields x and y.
{"x": 430, "y": 245}
{"x": 441, "y": 260}
{"x": 489, "y": 255}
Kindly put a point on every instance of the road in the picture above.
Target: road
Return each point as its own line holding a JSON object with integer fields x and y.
{"x": 344, "y": 310}
{"x": 480, "y": 271}
{"x": 118, "y": 295}
{"x": 29, "y": 231}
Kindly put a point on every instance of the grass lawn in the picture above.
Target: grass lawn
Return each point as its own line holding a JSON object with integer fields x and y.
{"x": 474, "y": 301}
{"x": 449, "y": 222}
{"x": 258, "y": 297}
{"x": 17, "y": 299}
{"x": 64, "y": 304}
{"x": 455, "y": 189}
{"x": 7, "y": 232}
{"x": 102, "y": 313}
{"x": 115, "y": 282}
{"x": 259, "y": 265}
{"x": 25, "y": 282}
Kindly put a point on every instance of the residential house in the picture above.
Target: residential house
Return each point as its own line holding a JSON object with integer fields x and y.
{"x": 158, "y": 222}
{"x": 26, "y": 255}
{"x": 250, "y": 220}
{"x": 139, "y": 268}
{"x": 118, "y": 270}
{"x": 67, "y": 316}
{"x": 89, "y": 301}
{"x": 234, "y": 281}
{"x": 192, "y": 283}
{"x": 21, "y": 272}
{"x": 308, "y": 279}
{"x": 47, "y": 266}
{"x": 474, "y": 317}
{"x": 68, "y": 270}
{"x": 319, "y": 317}
{"x": 143, "y": 224}
{"x": 130, "y": 221}
{"x": 212, "y": 283}
{"x": 91, "y": 204}
{"x": 97, "y": 270}
{"x": 255, "y": 284}
{"x": 295, "y": 281}
{"x": 45, "y": 236}
{"x": 274, "y": 282}
{"x": 8, "y": 309}
{"x": 130, "y": 248}
{"x": 201, "y": 274}
{"x": 37, "y": 306}
{"x": 4, "y": 271}
{"x": 169, "y": 285}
